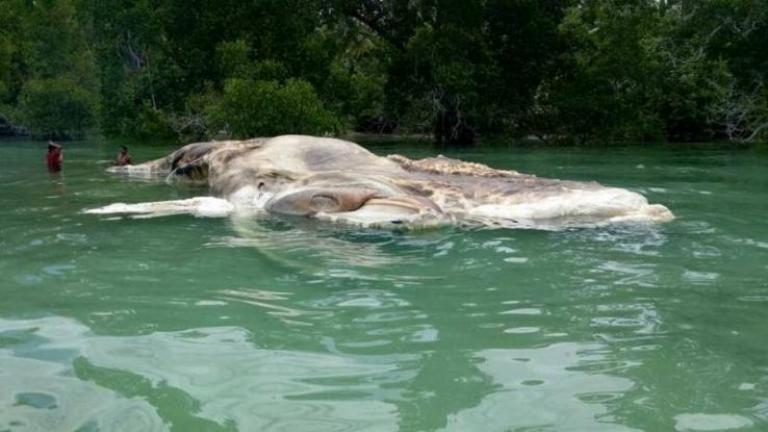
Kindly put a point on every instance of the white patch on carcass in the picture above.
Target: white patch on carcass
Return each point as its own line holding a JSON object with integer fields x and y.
{"x": 199, "y": 206}
{"x": 383, "y": 217}
{"x": 574, "y": 208}
{"x": 249, "y": 200}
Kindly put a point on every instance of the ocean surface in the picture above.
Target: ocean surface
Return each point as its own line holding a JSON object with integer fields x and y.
{"x": 195, "y": 324}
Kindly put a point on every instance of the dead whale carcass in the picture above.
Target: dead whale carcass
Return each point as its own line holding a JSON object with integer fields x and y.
{"x": 337, "y": 180}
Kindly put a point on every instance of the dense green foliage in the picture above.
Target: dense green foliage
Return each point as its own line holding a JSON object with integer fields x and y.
{"x": 558, "y": 69}
{"x": 55, "y": 108}
{"x": 250, "y": 108}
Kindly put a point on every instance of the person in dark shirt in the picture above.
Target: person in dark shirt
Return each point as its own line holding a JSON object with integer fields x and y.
{"x": 123, "y": 158}
{"x": 55, "y": 157}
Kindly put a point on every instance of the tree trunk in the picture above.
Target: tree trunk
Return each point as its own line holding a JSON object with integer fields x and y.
{"x": 450, "y": 129}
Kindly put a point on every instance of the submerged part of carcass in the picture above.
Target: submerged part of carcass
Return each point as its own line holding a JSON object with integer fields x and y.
{"x": 335, "y": 180}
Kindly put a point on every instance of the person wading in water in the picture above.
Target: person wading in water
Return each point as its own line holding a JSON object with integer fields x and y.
{"x": 123, "y": 158}
{"x": 55, "y": 157}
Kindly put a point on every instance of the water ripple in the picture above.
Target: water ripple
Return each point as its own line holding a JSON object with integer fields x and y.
{"x": 229, "y": 379}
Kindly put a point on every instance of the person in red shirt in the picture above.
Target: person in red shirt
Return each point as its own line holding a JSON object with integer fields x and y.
{"x": 55, "y": 157}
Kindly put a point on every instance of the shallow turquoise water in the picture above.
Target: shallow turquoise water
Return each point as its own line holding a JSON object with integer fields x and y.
{"x": 193, "y": 324}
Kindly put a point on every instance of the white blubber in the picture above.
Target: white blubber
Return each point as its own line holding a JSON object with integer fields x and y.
{"x": 198, "y": 206}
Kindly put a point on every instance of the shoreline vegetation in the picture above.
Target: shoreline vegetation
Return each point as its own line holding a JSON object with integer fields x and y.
{"x": 373, "y": 140}
{"x": 536, "y": 72}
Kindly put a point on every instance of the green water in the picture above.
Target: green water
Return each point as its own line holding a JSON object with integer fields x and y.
{"x": 191, "y": 324}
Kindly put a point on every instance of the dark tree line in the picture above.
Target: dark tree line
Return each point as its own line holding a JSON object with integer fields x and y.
{"x": 562, "y": 70}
